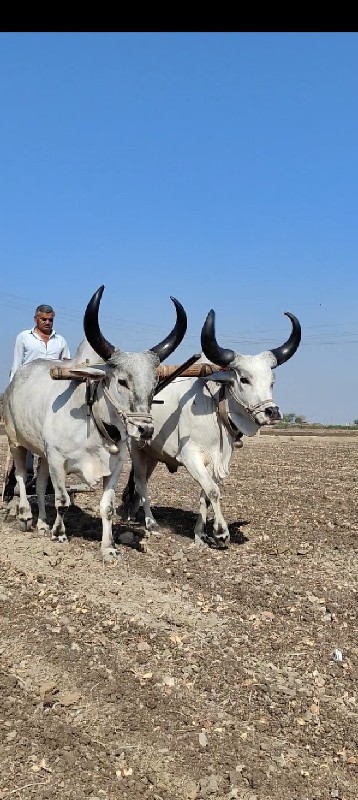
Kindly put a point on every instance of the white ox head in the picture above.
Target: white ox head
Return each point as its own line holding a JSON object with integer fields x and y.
{"x": 251, "y": 378}
{"x": 127, "y": 381}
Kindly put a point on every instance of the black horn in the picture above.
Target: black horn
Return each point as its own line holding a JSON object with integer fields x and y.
{"x": 288, "y": 349}
{"x": 213, "y": 351}
{"x": 168, "y": 345}
{"x": 92, "y": 330}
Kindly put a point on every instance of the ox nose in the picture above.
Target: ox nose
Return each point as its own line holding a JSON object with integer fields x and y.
{"x": 146, "y": 431}
{"x": 273, "y": 412}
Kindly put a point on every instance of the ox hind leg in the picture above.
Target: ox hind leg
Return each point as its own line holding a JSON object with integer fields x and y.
{"x": 135, "y": 493}
{"x": 144, "y": 466}
{"x": 41, "y": 484}
{"x": 25, "y": 513}
{"x": 130, "y": 499}
{"x": 62, "y": 498}
{"x": 210, "y": 495}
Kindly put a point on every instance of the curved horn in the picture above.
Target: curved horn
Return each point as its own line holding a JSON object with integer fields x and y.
{"x": 288, "y": 349}
{"x": 92, "y": 330}
{"x": 213, "y": 351}
{"x": 168, "y": 345}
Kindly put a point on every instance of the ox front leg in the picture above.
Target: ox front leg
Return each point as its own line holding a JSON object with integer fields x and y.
{"x": 211, "y": 494}
{"x": 108, "y": 547}
{"x": 25, "y": 513}
{"x": 204, "y": 505}
{"x": 62, "y": 499}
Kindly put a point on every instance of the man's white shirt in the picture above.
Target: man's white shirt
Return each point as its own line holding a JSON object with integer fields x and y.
{"x": 29, "y": 345}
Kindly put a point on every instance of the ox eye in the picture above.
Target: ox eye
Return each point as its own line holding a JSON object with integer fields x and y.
{"x": 122, "y": 382}
{"x": 244, "y": 380}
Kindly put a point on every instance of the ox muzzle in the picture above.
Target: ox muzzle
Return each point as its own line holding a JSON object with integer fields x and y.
{"x": 264, "y": 413}
{"x": 140, "y": 427}
{"x": 267, "y": 415}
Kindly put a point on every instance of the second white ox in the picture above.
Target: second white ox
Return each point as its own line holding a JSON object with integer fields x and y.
{"x": 200, "y": 420}
{"x": 51, "y": 419}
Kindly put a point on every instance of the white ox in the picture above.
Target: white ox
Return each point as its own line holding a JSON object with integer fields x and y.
{"x": 199, "y": 421}
{"x": 51, "y": 418}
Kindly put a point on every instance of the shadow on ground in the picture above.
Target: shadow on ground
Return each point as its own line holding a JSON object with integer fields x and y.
{"x": 182, "y": 522}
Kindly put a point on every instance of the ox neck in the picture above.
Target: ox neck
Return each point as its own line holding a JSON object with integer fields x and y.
{"x": 97, "y": 408}
{"x": 108, "y": 415}
{"x": 232, "y": 413}
{"x": 241, "y": 415}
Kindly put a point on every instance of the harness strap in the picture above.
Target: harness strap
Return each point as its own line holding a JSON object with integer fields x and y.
{"x": 113, "y": 444}
{"x": 223, "y": 416}
{"x": 103, "y": 427}
{"x": 92, "y": 400}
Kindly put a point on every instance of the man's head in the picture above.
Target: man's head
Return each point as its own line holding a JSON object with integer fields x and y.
{"x": 44, "y": 316}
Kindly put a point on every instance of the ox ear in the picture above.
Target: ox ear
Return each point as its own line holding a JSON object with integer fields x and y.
{"x": 97, "y": 373}
{"x": 221, "y": 376}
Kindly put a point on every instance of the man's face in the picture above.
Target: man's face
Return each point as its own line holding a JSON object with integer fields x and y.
{"x": 44, "y": 322}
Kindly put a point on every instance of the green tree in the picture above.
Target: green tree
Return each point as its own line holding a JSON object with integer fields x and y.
{"x": 289, "y": 418}
{"x": 300, "y": 419}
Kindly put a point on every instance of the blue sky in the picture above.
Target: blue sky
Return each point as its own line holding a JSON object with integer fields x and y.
{"x": 220, "y": 168}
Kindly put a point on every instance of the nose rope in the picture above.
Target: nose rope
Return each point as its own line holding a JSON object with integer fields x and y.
{"x": 125, "y": 416}
{"x": 135, "y": 417}
{"x": 251, "y": 410}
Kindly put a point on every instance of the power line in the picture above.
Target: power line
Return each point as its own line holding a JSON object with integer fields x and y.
{"x": 139, "y": 329}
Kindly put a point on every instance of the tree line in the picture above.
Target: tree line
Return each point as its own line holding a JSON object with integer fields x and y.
{"x": 291, "y": 418}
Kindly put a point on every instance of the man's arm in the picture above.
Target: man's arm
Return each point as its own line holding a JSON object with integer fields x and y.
{"x": 18, "y": 355}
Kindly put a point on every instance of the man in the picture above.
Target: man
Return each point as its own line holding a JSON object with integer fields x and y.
{"x": 41, "y": 341}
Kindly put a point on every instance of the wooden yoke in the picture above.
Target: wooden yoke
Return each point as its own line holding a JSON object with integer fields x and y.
{"x": 195, "y": 371}
{"x": 64, "y": 373}
{"x": 165, "y": 371}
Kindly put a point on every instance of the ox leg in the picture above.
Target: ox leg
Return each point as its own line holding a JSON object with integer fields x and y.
{"x": 130, "y": 499}
{"x": 41, "y": 484}
{"x": 107, "y": 509}
{"x": 62, "y": 499}
{"x": 195, "y": 466}
{"x": 25, "y": 513}
{"x": 204, "y": 505}
{"x": 143, "y": 468}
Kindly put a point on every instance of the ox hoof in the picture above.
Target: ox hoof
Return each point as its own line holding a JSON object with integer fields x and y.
{"x": 42, "y": 526}
{"x": 110, "y": 555}
{"x": 61, "y": 538}
{"x": 25, "y": 524}
{"x": 221, "y": 541}
{"x": 152, "y": 526}
{"x": 221, "y": 544}
{"x": 201, "y": 540}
